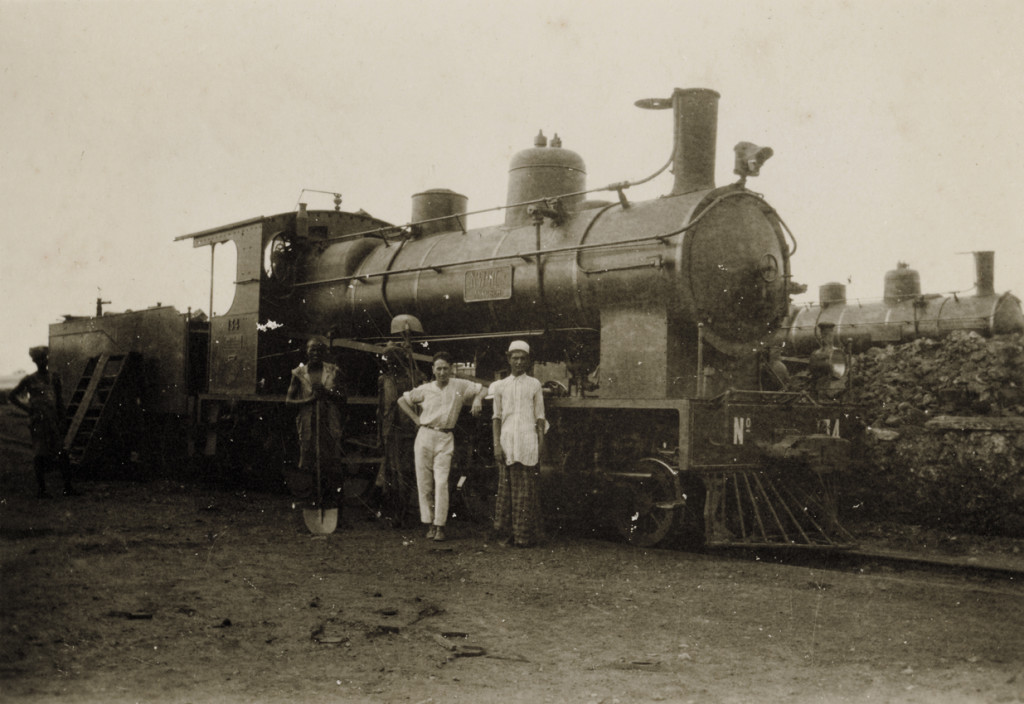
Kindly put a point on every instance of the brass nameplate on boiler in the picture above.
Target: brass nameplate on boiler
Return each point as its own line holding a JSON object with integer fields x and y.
{"x": 493, "y": 284}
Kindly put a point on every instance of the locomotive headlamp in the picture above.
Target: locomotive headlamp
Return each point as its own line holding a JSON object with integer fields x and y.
{"x": 827, "y": 363}
{"x": 405, "y": 323}
{"x": 750, "y": 158}
{"x": 829, "y": 360}
{"x": 837, "y": 363}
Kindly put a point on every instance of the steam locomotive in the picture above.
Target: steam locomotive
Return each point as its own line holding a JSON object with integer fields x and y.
{"x": 904, "y": 313}
{"x": 650, "y": 323}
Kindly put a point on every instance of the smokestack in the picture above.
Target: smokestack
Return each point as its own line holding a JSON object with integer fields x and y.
{"x": 696, "y": 129}
{"x": 984, "y": 266}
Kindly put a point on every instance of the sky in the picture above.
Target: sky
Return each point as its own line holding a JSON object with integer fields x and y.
{"x": 896, "y": 127}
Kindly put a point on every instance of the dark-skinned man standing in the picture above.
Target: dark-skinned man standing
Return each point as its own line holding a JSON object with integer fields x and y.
{"x": 317, "y": 388}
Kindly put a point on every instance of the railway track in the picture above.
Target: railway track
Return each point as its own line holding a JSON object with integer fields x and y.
{"x": 873, "y": 560}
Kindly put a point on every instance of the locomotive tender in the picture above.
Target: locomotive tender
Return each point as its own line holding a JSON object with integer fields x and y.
{"x": 649, "y": 322}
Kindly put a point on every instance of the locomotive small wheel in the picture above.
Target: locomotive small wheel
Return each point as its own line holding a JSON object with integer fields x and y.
{"x": 360, "y": 478}
{"x": 358, "y": 489}
{"x": 647, "y": 513}
{"x": 474, "y": 501}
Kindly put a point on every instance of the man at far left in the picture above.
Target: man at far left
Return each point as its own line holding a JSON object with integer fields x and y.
{"x": 39, "y": 395}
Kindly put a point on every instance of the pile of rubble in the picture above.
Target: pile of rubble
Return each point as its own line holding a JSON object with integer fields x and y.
{"x": 945, "y": 433}
{"x": 963, "y": 374}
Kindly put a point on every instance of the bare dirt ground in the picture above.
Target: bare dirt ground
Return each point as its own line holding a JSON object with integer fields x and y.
{"x": 162, "y": 592}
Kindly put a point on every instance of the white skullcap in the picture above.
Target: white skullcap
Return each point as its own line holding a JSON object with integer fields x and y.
{"x": 519, "y": 346}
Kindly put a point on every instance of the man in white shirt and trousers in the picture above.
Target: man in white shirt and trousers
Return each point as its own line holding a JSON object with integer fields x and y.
{"x": 440, "y": 402}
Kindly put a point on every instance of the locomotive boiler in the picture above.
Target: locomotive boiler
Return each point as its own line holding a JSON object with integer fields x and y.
{"x": 649, "y": 321}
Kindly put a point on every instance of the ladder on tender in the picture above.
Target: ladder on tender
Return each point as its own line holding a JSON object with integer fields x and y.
{"x": 97, "y": 399}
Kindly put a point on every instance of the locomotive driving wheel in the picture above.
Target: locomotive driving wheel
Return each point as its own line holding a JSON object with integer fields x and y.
{"x": 649, "y": 507}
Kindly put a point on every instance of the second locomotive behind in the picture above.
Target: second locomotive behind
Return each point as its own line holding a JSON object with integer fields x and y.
{"x": 904, "y": 313}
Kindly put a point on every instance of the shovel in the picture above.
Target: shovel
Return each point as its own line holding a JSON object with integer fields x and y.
{"x": 319, "y": 520}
